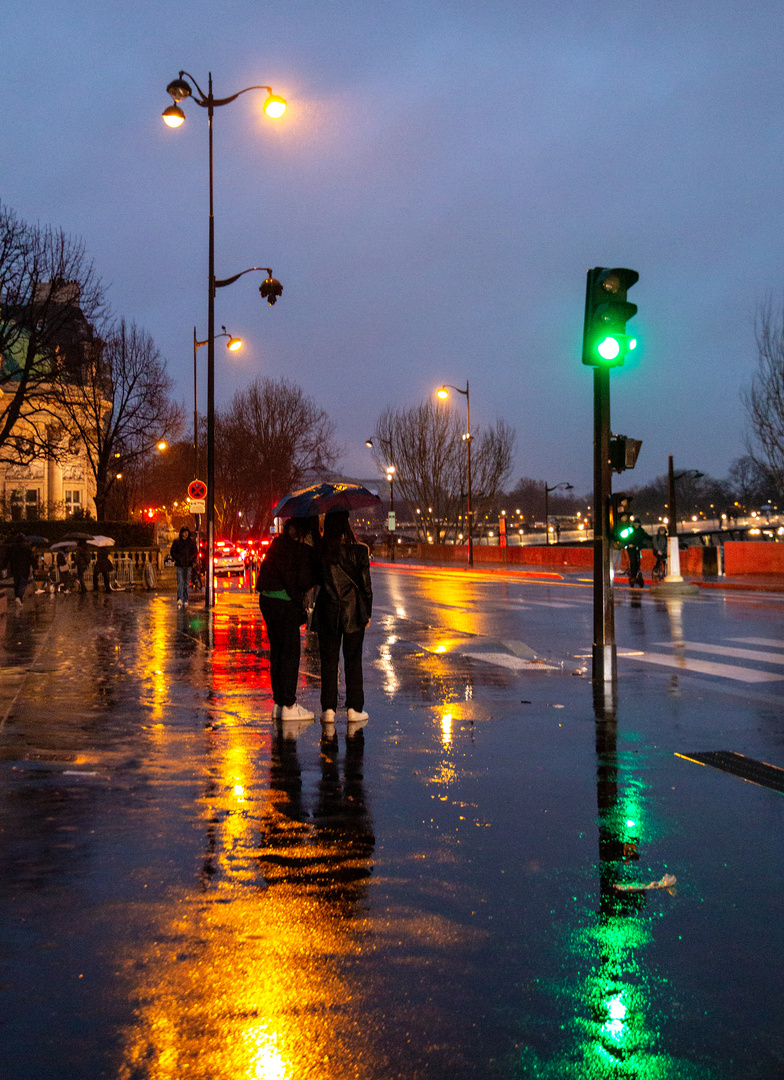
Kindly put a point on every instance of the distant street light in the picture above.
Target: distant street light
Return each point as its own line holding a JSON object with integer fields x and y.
{"x": 547, "y": 490}
{"x": 443, "y": 394}
{"x": 274, "y": 106}
{"x": 391, "y": 470}
{"x": 673, "y": 551}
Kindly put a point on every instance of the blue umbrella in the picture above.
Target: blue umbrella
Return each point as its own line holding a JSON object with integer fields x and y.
{"x": 324, "y": 499}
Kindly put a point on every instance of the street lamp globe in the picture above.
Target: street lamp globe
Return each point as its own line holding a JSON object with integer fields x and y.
{"x": 173, "y": 116}
{"x": 234, "y": 344}
{"x": 443, "y": 393}
{"x": 275, "y": 106}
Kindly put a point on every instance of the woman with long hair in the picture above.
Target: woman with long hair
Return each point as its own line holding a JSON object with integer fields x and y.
{"x": 343, "y": 610}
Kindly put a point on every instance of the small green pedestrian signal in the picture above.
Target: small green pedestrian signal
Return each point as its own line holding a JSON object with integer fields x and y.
{"x": 605, "y": 341}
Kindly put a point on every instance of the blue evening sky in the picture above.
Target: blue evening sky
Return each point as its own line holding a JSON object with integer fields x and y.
{"x": 443, "y": 178}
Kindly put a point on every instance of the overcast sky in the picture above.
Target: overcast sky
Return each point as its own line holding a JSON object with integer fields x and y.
{"x": 443, "y": 178}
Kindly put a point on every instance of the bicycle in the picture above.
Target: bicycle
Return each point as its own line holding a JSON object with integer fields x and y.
{"x": 197, "y": 577}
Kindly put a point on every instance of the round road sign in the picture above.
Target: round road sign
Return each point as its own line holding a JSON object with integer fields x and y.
{"x": 197, "y": 489}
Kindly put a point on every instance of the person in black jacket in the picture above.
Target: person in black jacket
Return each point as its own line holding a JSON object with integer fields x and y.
{"x": 285, "y": 576}
{"x": 184, "y": 552}
{"x": 343, "y": 609}
{"x": 19, "y": 559}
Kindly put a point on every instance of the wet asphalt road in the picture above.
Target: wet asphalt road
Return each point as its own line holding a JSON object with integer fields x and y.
{"x": 187, "y": 892}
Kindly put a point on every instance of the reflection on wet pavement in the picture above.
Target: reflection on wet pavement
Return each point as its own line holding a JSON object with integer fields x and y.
{"x": 192, "y": 893}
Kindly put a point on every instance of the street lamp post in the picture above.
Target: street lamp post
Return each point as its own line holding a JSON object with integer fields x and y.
{"x": 274, "y": 106}
{"x": 468, "y": 438}
{"x": 673, "y": 550}
{"x": 391, "y": 520}
{"x": 547, "y": 490}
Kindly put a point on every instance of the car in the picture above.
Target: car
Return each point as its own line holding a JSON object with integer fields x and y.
{"x": 227, "y": 560}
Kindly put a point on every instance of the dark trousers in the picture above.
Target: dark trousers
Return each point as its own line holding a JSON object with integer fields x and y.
{"x": 330, "y": 638}
{"x": 105, "y": 575}
{"x": 283, "y": 622}
{"x": 633, "y": 554}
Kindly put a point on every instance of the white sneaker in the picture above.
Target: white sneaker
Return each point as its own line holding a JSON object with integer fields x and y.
{"x": 328, "y": 718}
{"x": 19, "y": 602}
{"x": 276, "y": 711}
{"x": 295, "y": 712}
{"x": 179, "y": 603}
{"x": 357, "y": 720}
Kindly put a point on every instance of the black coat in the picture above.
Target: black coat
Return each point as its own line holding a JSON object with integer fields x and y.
{"x": 345, "y": 599}
{"x": 288, "y": 565}
{"x": 184, "y": 551}
{"x": 19, "y": 558}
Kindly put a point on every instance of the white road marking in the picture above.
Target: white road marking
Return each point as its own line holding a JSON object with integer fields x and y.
{"x": 505, "y": 660}
{"x": 774, "y": 643}
{"x": 706, "y": 667}
{"x": 728, "y": 650}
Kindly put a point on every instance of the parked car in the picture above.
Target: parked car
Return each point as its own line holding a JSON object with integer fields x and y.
{"x": 227, "y": 559}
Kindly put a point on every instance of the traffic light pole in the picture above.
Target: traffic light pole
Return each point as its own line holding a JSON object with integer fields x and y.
{"x": 604, "y": 654}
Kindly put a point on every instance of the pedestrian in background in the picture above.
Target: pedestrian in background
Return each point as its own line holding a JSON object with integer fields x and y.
{"x": 19, "y": 559}
{"x": 82, "y": 561}
{"x": 660, "y": 548}
{"x": 639, "y": 540}
{"x": 103, "y": 565}
{"x": 284, "y": 578}
{"x": 343, "y": 609}
{"x": 184, "y": 551}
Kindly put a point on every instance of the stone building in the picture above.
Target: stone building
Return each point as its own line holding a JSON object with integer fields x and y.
{"x": 55, "y": 480}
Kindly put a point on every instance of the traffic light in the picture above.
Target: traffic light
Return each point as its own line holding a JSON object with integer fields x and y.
{"x": 605, "y": 341}
{"x": 620, "y": 525}
{"x": 623, "y": 452}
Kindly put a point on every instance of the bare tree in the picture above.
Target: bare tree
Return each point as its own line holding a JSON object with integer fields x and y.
{"x": 764, "y": 398}
{"x": 425, "y": 444}
{"x": 119, "y": 407}
{"x": 50, "y": 299}
{"x": 268, "y": 440}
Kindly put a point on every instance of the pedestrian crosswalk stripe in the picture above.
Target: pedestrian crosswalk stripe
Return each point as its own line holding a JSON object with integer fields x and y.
{"x": 707, "y": 667}
{"x": 774, "y": 643}
{"x": 737, "y": 654}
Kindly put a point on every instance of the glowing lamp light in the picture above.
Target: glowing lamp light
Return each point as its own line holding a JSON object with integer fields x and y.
{"x": 443, "y": 393}
{"x": 163, "y": 445}
{"x": 173, "y": 116}
{"x": 234, "y": 344}
{"x": 275, "y": 106}
{"x": 609, "y": 348}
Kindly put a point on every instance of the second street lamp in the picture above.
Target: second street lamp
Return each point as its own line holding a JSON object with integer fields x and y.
{"x": 233, "y": 345}
{"x": 391, "y": 519}
{"x": 547, "y": 490}
{"x": 274, "y": 106}
{"x": 468, "y": 438}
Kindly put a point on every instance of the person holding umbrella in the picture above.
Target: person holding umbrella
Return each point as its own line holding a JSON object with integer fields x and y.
{"x": 343, "y": 608}
{"x": 285, "y": 576}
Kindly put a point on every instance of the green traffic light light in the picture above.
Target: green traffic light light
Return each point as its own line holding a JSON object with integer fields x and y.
{"x": 609, "y": 348}
{"x": 632, "y": 344}
{"x": 625, "y": 531}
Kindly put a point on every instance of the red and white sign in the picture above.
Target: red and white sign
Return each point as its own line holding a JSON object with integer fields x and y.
{"x": 197, "y": 490}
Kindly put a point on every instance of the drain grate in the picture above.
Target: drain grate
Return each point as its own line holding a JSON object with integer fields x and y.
{"x": 756, "y": 772}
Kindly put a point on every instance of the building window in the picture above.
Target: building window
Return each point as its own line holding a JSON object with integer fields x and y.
{"x": 24, "y": 504}
{"x": 73, "y": 501}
